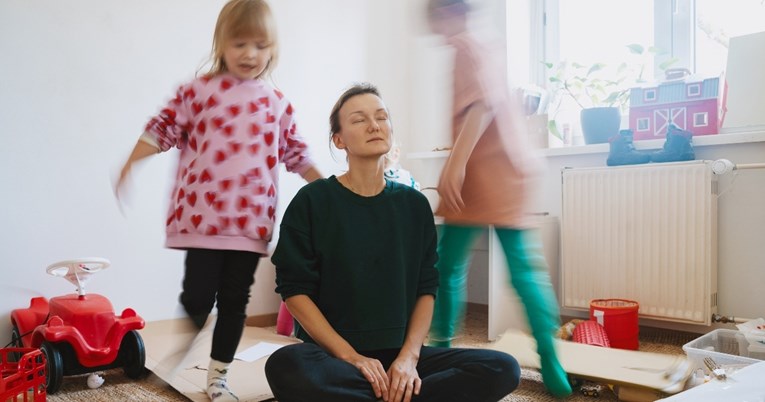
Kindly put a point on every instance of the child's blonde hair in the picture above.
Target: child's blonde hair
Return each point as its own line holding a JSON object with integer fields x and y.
{"x": 243, "y": 18}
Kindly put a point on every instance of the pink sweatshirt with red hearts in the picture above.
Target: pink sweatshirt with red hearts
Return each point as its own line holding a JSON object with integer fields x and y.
{"x": 231, "y": 134}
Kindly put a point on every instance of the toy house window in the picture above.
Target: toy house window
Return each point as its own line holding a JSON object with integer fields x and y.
{"x": 700, "y": 119}
{"x": 693, "y": 90}
{"x": 649, "y": 95}
{"x": 643, "y": 124}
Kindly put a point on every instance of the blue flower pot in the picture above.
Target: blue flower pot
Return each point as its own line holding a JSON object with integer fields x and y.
{"x": 599, "y": 124}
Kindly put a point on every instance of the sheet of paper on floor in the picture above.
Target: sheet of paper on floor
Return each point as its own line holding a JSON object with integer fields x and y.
{"x": 260, "y": 350}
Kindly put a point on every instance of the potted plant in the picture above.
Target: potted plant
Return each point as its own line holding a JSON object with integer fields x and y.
{"x": 600, "y": 91}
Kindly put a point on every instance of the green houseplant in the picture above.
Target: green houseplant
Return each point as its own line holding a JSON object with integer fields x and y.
{"x": 600, "y": 91}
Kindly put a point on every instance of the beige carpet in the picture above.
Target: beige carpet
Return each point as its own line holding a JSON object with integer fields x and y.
{"x": 117, "y": 387}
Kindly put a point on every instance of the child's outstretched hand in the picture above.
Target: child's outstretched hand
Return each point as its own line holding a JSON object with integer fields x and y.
{"x": 141, "y": 150}
{"x": 119, "y": 188}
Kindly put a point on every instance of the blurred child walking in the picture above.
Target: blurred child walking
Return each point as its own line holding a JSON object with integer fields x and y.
{"x": 487, "y": 180}
{"x": 231, "y": 127}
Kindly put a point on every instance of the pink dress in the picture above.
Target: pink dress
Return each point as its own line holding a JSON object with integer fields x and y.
{"x": 498, "y": 174}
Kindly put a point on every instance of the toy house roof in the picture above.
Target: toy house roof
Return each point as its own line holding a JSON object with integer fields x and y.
{"x": 675, "y": 91}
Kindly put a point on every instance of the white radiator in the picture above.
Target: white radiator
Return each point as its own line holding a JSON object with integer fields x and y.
{"x": 642, "y": 232}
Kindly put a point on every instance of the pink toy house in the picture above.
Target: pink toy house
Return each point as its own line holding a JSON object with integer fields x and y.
{"x": 692, "y": 105}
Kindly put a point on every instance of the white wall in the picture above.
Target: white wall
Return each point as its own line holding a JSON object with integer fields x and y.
{"x": 80, "y": 78}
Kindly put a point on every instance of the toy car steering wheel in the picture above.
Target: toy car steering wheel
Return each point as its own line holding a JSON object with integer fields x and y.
{"x": 78, "y": 271}
{"x": 90, "y": 264}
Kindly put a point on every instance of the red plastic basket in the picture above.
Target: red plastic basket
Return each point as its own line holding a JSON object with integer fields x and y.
{"x": 620, "y": 319}
{"x": 22, "y": 380}
{"x": 591, "y": 333}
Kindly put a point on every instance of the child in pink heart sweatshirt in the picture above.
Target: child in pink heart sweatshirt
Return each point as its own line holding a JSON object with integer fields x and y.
{"x": 231, "y": 128}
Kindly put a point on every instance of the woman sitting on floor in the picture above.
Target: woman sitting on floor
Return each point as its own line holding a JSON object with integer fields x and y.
{"x": 355, "y": 264}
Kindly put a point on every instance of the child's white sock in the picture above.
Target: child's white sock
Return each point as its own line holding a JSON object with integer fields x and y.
{"x": 217, "y": 387}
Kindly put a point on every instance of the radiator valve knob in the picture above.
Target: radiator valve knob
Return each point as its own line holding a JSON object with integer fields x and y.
{"x": 722, "y": 166}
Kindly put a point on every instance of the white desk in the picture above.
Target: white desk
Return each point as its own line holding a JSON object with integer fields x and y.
{"x": 505, "y": 308}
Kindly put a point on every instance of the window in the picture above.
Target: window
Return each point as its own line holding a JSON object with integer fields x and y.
{"x": 643, "y": 124}
{"x": 585, "y": 36}
{"x": 700, "y": 119}
{"x": 649, "y": 95}
{"x": 693, "y": 90}
{"x": 716, "y": 22}
{"x": 690, "y": 34}
{"x": 695, "y": 32}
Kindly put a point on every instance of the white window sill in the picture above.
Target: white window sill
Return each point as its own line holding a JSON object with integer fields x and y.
{"x": 699, "y": 141}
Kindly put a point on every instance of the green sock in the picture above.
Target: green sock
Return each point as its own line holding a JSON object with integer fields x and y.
{"x": 554, "y": 377}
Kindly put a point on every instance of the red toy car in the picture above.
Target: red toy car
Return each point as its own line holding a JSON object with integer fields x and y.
{"x": 80, "y": 333}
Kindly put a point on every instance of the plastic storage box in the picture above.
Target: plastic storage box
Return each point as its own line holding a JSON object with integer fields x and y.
{"x": 727, "y": 347}
{"x": 22, "y": 380}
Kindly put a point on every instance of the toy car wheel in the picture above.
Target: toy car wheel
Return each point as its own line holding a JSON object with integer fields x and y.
{"x": 16, "y": 343}
{"x": 54, "y": 366}
{"x": 133, "y": 355}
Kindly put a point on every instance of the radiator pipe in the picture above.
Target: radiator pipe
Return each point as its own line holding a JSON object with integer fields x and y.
{"x": 729, "y": 319}
{"x": 750, "y": 166}
{"x": 722, "y": 166}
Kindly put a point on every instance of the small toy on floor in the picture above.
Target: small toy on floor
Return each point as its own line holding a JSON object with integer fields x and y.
{"x": 566, "y": 331}
{"x": 95, "y": 381}
{"x": 589, "y": 388}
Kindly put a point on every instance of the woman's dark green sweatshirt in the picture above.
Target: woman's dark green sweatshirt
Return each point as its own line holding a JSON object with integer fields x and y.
{"x": 364, "y": 261}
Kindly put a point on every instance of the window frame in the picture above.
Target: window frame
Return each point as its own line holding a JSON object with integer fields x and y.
{"x": 674, "y": 31}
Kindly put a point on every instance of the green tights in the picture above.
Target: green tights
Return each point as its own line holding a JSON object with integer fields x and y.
{"x": 528, "y": 275}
